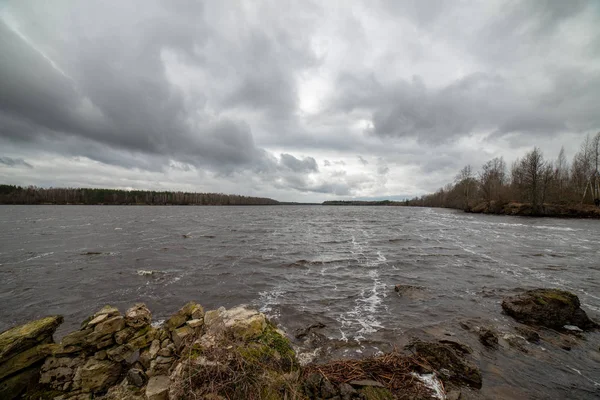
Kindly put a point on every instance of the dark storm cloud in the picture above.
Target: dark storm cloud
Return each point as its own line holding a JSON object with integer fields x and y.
{"x": 222, "y": 88}
{"x": 115, "y": 93}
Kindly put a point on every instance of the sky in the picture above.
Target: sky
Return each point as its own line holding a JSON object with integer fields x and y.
{"x": 294, "y": 100}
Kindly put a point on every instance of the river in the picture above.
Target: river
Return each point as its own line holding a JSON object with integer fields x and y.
{"x": 302, "y": 264}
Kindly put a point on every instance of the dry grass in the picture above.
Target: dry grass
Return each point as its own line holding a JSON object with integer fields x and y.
{"x": 393, "y": 370}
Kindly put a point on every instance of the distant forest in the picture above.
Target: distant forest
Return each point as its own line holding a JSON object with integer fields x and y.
{"x": 533, "y": 185}
{"x": 10, "y": 194}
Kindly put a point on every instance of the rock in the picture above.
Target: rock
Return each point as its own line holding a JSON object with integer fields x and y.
{"x": 302, "y": 332}
{"x": 109, "y": 311}
{"x": 136, "y": 377}
{"x": 124, "y": 335}
{"x": 445, "y": 360}
{"x": 180, "y": 334}
{"x": 376, "y": 393}
{"x": 13, "y": 387}
{"x": 158, "y": 388}
{"x": 145, "y": 359}
{"x": 488, "y": 337}
{"x": 23, "y": 337}
{"x": 453, "y": 395}
{"x": 76, "y": 339}
{"x": 58, "y": 372}
{"x": 181, "y": 316}
{"x": 97, "y": 376}
{"x": 105, "y": 342}
{"x": 195, "y": 323}
{"x": 143, "y": 338}
{"x": 516, "y": 341}
{"x": 328, "y": 390}
{"x": 109, "y": 326}
{"x": 25, "y": 359}
{"x": 411, "y": 292}
{"x": 100, "y": 355}
{"x": 347, "y": 392}
{"x": 312, "y": 385}
{"x": 154, "y": 348}
{"x": 165, "y": 352}
{"x": 463, "y": 348}
{"x": 244, "y": 323}
{"x": 120, "y": 353}
{"x": 572, "y": 328}
{"x": 97, "y": 320}
{"x": 165, "y": 343}
{"x": 552, "y": 308}
{"x": 366, "y": 382}
{"x": 529, "y": 334}
{"x": 197, "y": 312}
{"x": 138, "y": 316}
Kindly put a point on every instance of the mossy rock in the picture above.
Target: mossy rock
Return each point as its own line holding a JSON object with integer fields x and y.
{"x": 23, "y": 337}
{"x": 25, "y": 359}
{"x": 552, "y": 308}
{"x": 281, "y": 346}
{"x": 376, "y": 393}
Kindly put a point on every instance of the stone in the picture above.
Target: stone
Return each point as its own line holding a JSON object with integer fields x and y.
{"x": 120, "y": 353}
{"x": 136, "y": 377}
{"x": 529, "y": 334}
{"x": 99, "y": 375}
{"x": 164, "y": 360}
{"x": 154, "y": 348}
{"x": 158, "y": 388}
{"x": 454, "y": 395}
{"x": 197, "y": 312}
{"x": 110, "y": 326}
{"x": 100, "y": 355}
{"x": 138, "y": 316}
{"x": 552, "y": 308}
{"x": 165, "y": 343}
{"x": 97, "y": 320}
{"x": 366, "y": 382}
{"x": 25, "y": 359}
{"x": 58, "y": 372}
{"x": 488, "y": 337}
{"x": 375, "y": 393}
{"x": 109, "y": 311}
{"x": 244, "y": 323}
{"x": 303, "y": 332}
{"x": 13, "y": 387}
{"x": 328, "y": 390}
{"x": 145, "y": 359}
{"x": 195, "y": 323}
{"x": 165, "y": 352}
{"x": 180, "y": 334}
{"x": 105, "y": 342}
{"x": 312, "y": 385}
{"x": 23, "y": 337}
{"x": 124, "y": 335}
{"x": 347, "y": 392}
{"x": 444, "y": 359}
{"x": 144, "y": 339}
{"x": 76, "y": 339}
{"x": 181, "y": 316}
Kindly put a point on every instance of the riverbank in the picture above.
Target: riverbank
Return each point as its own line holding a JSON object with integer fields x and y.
{"x": 547, "y": 210}
{"x": 238, "y": 353}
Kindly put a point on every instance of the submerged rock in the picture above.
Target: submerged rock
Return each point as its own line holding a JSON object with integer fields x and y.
{"x": 452, "y": 366}
{"x": 552, "y": 308}
{"x": 488, "y": 337}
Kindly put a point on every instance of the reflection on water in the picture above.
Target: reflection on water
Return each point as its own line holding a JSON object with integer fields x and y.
{"x": 335, "y": 265}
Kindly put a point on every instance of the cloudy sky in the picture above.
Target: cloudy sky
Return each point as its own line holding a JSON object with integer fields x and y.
{"x": 295, "y": 100}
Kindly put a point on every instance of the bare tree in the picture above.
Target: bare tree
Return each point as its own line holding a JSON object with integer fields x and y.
{"x": 466, "y": 183}
{"x": 531, "y": 176}
{"x": 491, "y": 179}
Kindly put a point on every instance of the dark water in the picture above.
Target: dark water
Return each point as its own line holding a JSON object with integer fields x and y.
{"x": 336, "y": 265}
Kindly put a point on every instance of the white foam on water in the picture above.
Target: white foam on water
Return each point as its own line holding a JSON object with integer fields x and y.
{"x": 269, "y": 300}
{"x": 433, "y": 383}
{"x": 158, "y": 323}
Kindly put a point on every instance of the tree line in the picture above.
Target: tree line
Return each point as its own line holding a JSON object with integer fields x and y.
{"x": 532, "y": 180}
{"x": 10, "y": 194}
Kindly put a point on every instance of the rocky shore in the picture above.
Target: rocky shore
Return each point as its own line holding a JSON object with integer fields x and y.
{"x": 238, "y": 353}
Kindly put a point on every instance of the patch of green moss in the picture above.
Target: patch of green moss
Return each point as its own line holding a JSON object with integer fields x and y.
{"x": 272, "y": 339}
